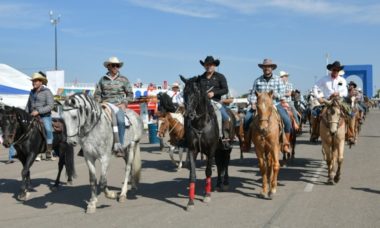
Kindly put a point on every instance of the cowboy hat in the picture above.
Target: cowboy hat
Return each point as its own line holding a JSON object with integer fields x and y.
{"x": 175, "y": 84}
{"x": 268, "y": 62}
{"x": 39, "y": 76}
{"x": 335, "y": 64}
{"x": 283, "y": 74}
{"x": 112, "y": 60}
{"x": 210, "y": 60}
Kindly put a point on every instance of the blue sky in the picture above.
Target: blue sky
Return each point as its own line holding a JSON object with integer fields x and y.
{"x": 160, "y": 39}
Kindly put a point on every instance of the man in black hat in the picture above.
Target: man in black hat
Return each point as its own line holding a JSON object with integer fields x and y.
{"x": 216, "y": 85}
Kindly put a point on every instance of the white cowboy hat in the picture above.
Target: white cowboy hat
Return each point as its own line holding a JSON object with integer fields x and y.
{"x": 175, "y": 84}
{"x": 341, "y": 73}
{"x": 283, "y": 74}
{"x": 113, "y": 60}
{"x": 39, "y": 76}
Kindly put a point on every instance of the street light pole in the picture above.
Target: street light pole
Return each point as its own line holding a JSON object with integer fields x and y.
{"x": 55, "y": 21}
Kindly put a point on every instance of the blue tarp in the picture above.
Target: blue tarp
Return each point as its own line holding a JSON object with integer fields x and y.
{"x": 9, "y": 90}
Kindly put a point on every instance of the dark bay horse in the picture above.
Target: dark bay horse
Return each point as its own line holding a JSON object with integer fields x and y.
{"x": 201, "y": 132}
{"x": 27, "y": 134}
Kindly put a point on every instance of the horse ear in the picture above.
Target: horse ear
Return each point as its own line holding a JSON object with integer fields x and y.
{"x": 183, "y": 78}
{"x": 270, "y": 93}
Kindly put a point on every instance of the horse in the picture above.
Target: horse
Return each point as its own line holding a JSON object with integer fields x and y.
{"x": 332, "y": 132}
{"x": 201, "y": 133}
{"x": 27, "y": 134}
{"x": 65, "y": 153}
{"x": 89, "y": 125}
{"x": 171, "y": 121}
{"x": 265, "y": 135}
{"x": 313, "y": 103}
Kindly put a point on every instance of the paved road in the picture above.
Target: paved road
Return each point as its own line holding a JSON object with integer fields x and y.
{"x": 303, "y": 199}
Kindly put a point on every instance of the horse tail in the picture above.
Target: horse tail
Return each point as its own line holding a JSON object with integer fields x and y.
{"x": 136, "y": 166}
{"x": 69, "y": 160}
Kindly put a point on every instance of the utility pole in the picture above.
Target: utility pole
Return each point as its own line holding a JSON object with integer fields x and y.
{"x": 54, "y": 22}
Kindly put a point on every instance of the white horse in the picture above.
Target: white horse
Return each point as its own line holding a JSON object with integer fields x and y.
{"x": 91, "y": 127}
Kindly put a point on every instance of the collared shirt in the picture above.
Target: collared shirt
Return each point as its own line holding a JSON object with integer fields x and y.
{"x": 288, "y": 88}
{"x": 261, "y": 84}
{"x": 328, "y": 86}
{"x": 217, "y": 83}
{"x": 177, "y": 97}
{"x": 115, "y": 90}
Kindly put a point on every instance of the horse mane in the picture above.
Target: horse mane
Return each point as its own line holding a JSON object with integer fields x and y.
{"x": 86, "y": 105}
{"x": 166, "y": 103}
{"x": 196, "y": 90}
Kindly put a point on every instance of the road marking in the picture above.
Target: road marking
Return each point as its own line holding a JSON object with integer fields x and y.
{"x": 317, "y": 174}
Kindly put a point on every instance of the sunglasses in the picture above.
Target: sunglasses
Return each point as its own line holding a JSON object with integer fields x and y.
{"x": 114, "y": 65}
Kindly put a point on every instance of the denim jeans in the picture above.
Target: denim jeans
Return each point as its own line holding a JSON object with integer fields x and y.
{"x": 12, "y": 152}
{"x": 285, "y": 118}
{"x": 294, "y": 111}
{"x": 248, "y": 119}
{"x": 48, "y": 129}
{"x": 224, "y": 113}
{"x": 121, "y": 125}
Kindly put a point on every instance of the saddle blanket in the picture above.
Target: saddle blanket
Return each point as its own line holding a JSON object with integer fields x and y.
{"x": 116, "y": 109}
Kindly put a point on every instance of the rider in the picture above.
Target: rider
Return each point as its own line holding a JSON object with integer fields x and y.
{"x": 176, "y": 95}
{"x": 266, "y": 83}
{"x": 216, "y": 86}
{"x": 115, "y": 89}
{"x": 288, "y": 95}
{"x": 40, "y": 104}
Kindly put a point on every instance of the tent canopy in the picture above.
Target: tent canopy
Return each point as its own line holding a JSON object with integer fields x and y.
{"x": 13, "y": 81}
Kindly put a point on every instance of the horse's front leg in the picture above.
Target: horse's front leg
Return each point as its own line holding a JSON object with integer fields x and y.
{"x": 91, "y": 207}
{"x": 128, "y": 167}
{"x": 207, "y": 197}
{"x": 25, "y": 174}
{"x": 275, "y": 170}
{"x": 220, "y": 171}
{"x": 190, "y": 204}
{"x": 61, "y": 163}
{"x": 226, "y": 182}
{"x": 340, "y": 161}
{"x": 263, "y": 170}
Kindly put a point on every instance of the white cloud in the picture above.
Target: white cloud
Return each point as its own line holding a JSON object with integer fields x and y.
{"x": 22, "y": 16}
{"x": 338, "y": 10}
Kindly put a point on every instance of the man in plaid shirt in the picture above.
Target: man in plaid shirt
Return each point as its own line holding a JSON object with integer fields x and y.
{"x": 266, "y": 83}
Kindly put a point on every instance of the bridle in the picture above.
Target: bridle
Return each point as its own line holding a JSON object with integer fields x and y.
{"x": 25, "y": 135}
{"x": 79, "y": 133}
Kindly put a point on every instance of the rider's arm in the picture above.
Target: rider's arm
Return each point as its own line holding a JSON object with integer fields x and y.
{"x": 49, "y": 103}
{"x": 279, "y": 93}
{"x": 128, "y": 90}
{"x": 223, "y": 87}
{"x": 342, "y": 89}
{"x": 98, "y": 92}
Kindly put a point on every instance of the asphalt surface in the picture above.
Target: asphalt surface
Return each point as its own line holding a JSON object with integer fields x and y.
{"x": 302, "y": 200}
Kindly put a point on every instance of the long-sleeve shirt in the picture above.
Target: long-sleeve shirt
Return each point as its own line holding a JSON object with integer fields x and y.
{"x": 41, "y": 101}
{"x": 329, "y": 85}
{"x": 113, "y": 90}
{"x": 217, "y": 83}
{"x": 288, "y": 88}
{"x": 177, "y": 97}
{"x": 262, "y": 84}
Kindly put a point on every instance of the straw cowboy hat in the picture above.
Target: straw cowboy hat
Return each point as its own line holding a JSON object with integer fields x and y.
{"x": 268, "y": 62}
{"x": 284, "y": 74}
{"x": 334, "y": 65}
{"x": 39, "y": 76}
{"x": 175, "y": 84}
{"x": 210, "y": 60}
{"x": 112, "y": 60}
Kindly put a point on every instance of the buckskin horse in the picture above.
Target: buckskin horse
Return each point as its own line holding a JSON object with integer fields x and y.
{"x": 27, "y": 134}
{"x": 265, "y": 134}
{"x": 332, "y": 132}
{"x": 90, "y": 126}
{"x": 201, "y": 133}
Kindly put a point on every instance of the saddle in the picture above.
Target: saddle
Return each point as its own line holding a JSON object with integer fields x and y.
{"x": 291, "y": 115}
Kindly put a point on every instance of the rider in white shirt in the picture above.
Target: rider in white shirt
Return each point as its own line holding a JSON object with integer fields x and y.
{"x": 176, "y": 95}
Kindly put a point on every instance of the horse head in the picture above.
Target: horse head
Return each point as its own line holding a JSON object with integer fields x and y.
{"x": 14, "y": 123}
{"x": 194, "y": 97}
{"x": 333, "y": 115}
{"x": 264, "y": 109}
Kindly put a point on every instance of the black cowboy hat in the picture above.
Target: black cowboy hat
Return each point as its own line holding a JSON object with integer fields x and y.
{"x": 335, "y": 64}
{"x": 353, "y": 84}
{"x": 210, "y": 60}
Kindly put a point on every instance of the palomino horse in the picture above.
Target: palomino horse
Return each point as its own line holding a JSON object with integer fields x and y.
{"x": 332, "y": 132}
{"x": 201, "y": 135}
{"x": 27, "y": 134}
{"x": 90, "y": 126}
{"x": 265, "y": 134}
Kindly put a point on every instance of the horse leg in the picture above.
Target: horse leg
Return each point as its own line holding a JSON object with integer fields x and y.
{"x": 340, "y": 161}
{"x": 275, "y": 170}
{"x": 207, "y": 197}
{"x": 128, "y": 167}
{"x": 220, "y": 171}
{"x": 105, "y": 161}
{"x": 171, "y": 154}
{"x": 226, "y": 163}
{"x": 25, "y": 174}
{"x": 91, "y": 207}
{"x": 180, "y": 156}
{"x": 192, "y": 178}
{"x": 263, "y": 171}
{"x": 61, "y": 163}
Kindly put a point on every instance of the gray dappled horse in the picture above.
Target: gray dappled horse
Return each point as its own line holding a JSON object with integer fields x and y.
{"x": 88, "y": 125}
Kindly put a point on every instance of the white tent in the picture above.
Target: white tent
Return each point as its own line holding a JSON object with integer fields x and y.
{"x": 14, "y": 86}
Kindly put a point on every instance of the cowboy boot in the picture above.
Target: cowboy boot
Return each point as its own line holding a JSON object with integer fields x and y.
{"x": 49, "y": 153}
{"x": 286, "y": 143}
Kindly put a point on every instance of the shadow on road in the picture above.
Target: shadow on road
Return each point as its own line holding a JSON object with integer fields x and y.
{"x": 366, "y": 190}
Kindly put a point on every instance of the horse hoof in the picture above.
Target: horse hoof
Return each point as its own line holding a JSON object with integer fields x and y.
{"x": 190, "y": 207}
{"x": 122, "y": 199}
{"x": 23, "y": 196}
{"x": 111, "y": 194}
{"x": 263, "y": 195}
{"x": 226, "y": 187}
{"x": 54, "y": 188}
{"x": 218, "y": 188}
{"x": 336, "y": 179}
{"x": 91, "y": 209}
{"x": 330, "y": 181}
{"x": 69, "y": 183}
{"x": 207, "y": 199}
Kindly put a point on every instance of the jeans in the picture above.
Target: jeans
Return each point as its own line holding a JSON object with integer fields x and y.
{"x": 121, "y": 125}
{"x": 12, "y": 152}
{"x": 48, "y": 129}
{"x": 294, "y": 111}
{"x": 283, "y": 113}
